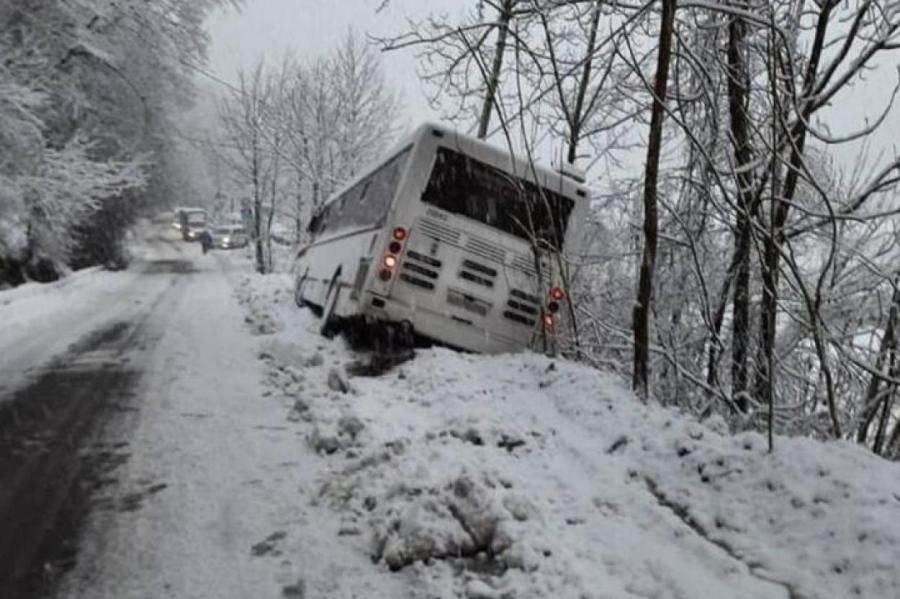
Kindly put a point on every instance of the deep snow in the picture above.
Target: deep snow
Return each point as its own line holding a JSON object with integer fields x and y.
{"x": 525, "y": 476}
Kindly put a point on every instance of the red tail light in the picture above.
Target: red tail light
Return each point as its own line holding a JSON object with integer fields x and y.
{"x": 549, "y": 322}
{"x": 391, "y": 258}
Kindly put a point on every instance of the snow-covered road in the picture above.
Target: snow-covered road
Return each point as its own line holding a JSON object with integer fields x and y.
{"x": 174, "y": 469}
{"x": 181, "y": 430}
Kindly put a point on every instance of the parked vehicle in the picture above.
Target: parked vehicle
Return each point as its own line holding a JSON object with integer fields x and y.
{"x": 176, "y": 218}
{"x": 193, "y": 222}
{"x": 228, "y": 237}
{"x": 450, "y": 238}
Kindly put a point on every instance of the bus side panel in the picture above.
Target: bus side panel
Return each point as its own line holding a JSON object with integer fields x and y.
{"x": 339, "y": 257}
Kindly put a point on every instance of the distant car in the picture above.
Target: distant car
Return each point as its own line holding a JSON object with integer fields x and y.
{"x": 193, "y": 222}
{"x": 176, "y": 217}
{"x": 228, "y": 237}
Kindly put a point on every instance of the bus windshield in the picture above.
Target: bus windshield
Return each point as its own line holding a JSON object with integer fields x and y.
{"x": 462, "y": 185}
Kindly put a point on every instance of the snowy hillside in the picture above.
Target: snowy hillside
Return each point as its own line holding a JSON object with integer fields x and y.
{"x": 522, "y": 476}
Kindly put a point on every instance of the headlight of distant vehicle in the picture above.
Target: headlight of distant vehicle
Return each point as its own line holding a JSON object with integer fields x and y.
{"x": 226, "y": 239}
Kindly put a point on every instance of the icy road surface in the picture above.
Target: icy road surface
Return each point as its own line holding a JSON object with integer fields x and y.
{"x": 181, "y": 430}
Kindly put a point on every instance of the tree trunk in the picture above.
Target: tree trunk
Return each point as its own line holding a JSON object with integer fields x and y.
{"x": 578, "y": 118}
{"x": 257, "y": 209}
{"x": 738, "y": 80}
{"x": 765, "y": 378}
{"x": 641, "y": 316}
{"x": 875, "y": 397}
{"x": 493, "y": 81}
{"x": 298, "y": 210}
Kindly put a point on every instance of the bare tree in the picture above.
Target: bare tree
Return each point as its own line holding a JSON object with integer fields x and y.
{"x": 245, "y": 117}
{"x": 301, "y": 130}
{"x": 641, "y": 318}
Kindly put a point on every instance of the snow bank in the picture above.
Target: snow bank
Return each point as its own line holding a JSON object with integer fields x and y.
{"x": 521, "y": 476}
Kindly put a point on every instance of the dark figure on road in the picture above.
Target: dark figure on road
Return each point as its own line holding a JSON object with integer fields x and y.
{"x": 205, "y": 240}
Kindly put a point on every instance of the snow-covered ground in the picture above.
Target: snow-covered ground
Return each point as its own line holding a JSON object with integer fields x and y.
{"x": 256, "y": 466}
{"x": 32, "y": 316}
{"x": 523, "y": 476}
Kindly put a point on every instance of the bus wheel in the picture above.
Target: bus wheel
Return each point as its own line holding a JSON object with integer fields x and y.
{"x": 394, "y": 341}
{"x": 331, "y": 324}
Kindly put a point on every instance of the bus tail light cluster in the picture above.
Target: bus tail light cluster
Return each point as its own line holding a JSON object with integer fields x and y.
{"x": 549, "y": 318}
{"x": 392, "y": 257}
{"x": 557, "y": 295}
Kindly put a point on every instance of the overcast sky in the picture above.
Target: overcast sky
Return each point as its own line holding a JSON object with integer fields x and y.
{"x": 312, "y": 27}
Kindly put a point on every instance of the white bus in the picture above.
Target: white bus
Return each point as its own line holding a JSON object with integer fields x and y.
{"x": 450, "y": 238}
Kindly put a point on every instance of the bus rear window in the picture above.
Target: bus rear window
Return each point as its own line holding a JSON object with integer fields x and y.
{"x": 462, "y": 185}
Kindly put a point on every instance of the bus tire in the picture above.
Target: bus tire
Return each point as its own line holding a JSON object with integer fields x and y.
{"x": 331, "y": 324}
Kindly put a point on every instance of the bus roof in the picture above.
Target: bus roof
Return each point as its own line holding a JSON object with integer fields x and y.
{"x": 517, "y": 164}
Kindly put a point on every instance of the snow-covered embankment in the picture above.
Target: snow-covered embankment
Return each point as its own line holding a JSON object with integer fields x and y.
{"x": 523, "y": 476}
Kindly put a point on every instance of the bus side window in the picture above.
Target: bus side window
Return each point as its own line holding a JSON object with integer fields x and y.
{"x": 362, "y": 202}
{"x": 349, "y": 205}
{"x": 321, "y": 221}
{"x": 366, "y": 203}
{"x": 384, "y": 188}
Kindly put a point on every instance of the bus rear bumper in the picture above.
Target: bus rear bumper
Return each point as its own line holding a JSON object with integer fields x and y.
{"x": 442, "y": 327}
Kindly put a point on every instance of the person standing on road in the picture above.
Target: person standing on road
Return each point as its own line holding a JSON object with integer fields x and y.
{"x": 205, "y": 240}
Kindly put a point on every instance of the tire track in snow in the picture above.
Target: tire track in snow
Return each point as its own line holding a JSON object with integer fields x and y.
{"x": 683, "y": 514}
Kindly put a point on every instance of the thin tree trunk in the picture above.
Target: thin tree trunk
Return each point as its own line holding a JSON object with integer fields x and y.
{"x": 641, "y": 316}
{"x": 874, "y": 397}
{"x": 493, "y": 81}
{"x": 892, "y": 449}
{"x": 886, "y": 412}
{"x": 257, "y": 210}
{"x": 715, "y": 336}
{"x": 273, "y": 199}
{"x": 738, "y": 80}
{"x": 578, "y": 119}
{"x": 765, "y": 377}
{"x": 298, "y": 210}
